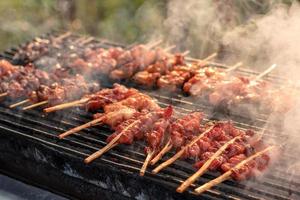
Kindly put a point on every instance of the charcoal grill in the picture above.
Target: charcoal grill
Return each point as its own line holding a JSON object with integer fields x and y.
{"x": 31, "y": 152}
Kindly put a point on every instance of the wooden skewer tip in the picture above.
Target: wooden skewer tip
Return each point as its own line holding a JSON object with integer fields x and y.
{"x": 146, "y": 162}
{"x": 109, "y": 146}
{"x": 65, "y": 105}
{"x": 79, "y": 128}
{"x": 153, "y": 44}
{"x": 35, "y": 105}
{"x": 211, "y": 56}
{"x": 164, "y": 150}
{"x": 3, "y": 94}
{"x": 180, "y": 153}
{"x": 19, "y": 103}
{"x": 205, "y": 166}
{"x": 227, "y": 174}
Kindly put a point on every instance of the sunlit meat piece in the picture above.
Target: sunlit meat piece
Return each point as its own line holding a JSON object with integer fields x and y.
{"x": 107, "y": 96}
{"x": 115, "y": 118}
{"x": 138, "y": 101}
{"x": 6, "y": 68}
{"x": 146, "y": 79}
{"x": 175, "y": 79}
{"x": 204, "y": 81}
{"x": 134, "y": 60}
{"x": 136, "y": 128}
{"x": 150, "y": 75}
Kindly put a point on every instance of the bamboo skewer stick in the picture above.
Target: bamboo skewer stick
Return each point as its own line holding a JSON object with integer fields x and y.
{"x": 3, "y": 94}
{"x": 109, "y": 146}
{"x": 227, "y": 174}
{"x": 180, "y": 153}
{"x": 234, "y": 67}
{"x": 153, "y": 44}
{"x": 85, "y": 41}
{"x": 79, "y": 128}
{"x": 169, "y": 48}
{"x": 72, "y": 104}
{"x": 19, "y": 103}
{"x": 264, "y": 73}
{"x": 185, "y": 53}
{"x": 61, "y": 37}
{"x": 80, "y": 39}
{"x": 35, "y": 105}
{"x": 164, "y": 150}
{"x": 96, "y": 154}
{"x": 211, "y": 56}
{"x": 206, "y": 165}
{"x": 66, "y": 105}
{"x": 146, "y": 162}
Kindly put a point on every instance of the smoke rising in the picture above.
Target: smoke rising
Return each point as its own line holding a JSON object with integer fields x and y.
{"x": 272, "y": 38}
{"x": 255, "y": 39}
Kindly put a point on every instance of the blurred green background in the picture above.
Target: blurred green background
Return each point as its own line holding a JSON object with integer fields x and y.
{"x": 128, "y": 21}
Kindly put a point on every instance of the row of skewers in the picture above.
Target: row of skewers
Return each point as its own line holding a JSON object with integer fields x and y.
{"x": 57, "y": 85}
{"x": 150, "y": 68}
{"x": 215, "y": 146}
{"x": 136, "y": 116}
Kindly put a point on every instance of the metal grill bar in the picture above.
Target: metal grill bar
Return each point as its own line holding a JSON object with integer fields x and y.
{"x": 176, "y": 173}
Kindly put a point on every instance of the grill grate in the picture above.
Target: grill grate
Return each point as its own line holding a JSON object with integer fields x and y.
{"x": 38, "y": 132}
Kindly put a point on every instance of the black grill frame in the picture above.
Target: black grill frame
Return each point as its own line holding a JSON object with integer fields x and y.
{"x": 22, "y": 134}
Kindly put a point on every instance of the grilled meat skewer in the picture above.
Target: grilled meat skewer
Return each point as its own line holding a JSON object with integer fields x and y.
{"x": 69, "y": 89}
{"x": 240, "y": 166}
{"x": 117, "y": 112}
{"x": 155, "y": 136}
{"x": 130, "y": 130}
{"x": 205, "y": 166}
{"x": 181, "y": 130}
{"x": 98, "y": 100}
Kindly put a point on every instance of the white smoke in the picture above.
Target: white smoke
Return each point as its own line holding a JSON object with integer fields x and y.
{"x": 272, "y": 38}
